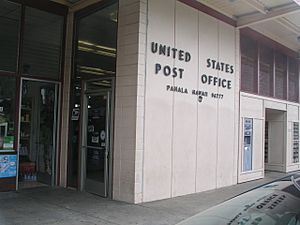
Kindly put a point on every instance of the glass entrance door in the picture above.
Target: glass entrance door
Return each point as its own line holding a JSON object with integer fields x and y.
{"x": 95, "y": 142}
{"x": 38, "y": 129}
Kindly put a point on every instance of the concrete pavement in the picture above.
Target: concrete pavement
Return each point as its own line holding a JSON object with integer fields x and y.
{"x": 60, "y": 206}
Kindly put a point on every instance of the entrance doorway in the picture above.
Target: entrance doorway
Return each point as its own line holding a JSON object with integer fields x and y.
{"x": 275, "y": 140}
{"x": 96, "y": 137}
{"x": 38, "y": 133}
{"x": 94, "y": 69}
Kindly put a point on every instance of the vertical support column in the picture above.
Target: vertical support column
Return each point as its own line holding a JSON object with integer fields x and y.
{"x": 129, "y": 101}
{"x": 66, "y": 101}
{"x": 287, "y": 78}
{"x": 258, "y": 69}
{"x": 140, "y": 118}
{"x": 274, "y": 74}
{"x": 237, "y": 103}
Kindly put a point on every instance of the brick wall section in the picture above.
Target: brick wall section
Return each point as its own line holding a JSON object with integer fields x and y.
{"x": 129, "y": 101}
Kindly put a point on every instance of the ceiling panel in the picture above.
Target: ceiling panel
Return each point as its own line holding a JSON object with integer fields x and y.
{"x": 286, "y": 31}
{"x": 275, "y": 3}
{"x": 231, "y": 8}
{"x": 279, "y": 33}
{"x": 294, "y": 18}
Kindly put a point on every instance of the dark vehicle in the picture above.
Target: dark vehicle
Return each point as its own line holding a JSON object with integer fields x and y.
{"x": 276, "y": 203}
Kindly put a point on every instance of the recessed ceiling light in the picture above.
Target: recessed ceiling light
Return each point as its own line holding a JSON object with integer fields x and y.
{"x": 297, "y": 1}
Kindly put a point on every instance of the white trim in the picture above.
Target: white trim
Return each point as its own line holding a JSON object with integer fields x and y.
{"x": 244, "y": 94}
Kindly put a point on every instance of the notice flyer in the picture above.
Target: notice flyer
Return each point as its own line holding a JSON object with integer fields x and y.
{"x": 8, "y": 143}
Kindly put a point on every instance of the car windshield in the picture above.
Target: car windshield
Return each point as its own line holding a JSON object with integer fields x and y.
{"x": 277, "y": 203}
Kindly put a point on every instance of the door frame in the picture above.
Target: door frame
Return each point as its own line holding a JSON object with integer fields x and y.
{"x": 109, "y": 123}
{"x": 56, "y": 133}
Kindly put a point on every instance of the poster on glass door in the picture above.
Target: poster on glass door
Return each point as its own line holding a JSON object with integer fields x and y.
{"x": 8, "y": 166}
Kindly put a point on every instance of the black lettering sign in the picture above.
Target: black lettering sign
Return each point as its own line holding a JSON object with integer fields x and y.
{"x": 174, "y": 53}
{"x": 220, "y": 66}
{"x": 216, "y": 81}
{"x": 169, "y": 51}
{"x": 168, "y": 70}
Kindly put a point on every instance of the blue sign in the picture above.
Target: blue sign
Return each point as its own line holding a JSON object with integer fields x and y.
{"x": 8, "y": 166}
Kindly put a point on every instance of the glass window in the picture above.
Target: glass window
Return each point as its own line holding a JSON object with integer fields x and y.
{"x": 293, "y": 80}
{"x": 97, "y": 39}
{"x": 10, "y": 14}
{"x": 42, "y": 43}
{"x": 280, "y": 75}
{"x": 74, "y": 136}
{"x": 266, "y": 71}
{"x": 248, "y": 65}
{"x": 7, "y": 113}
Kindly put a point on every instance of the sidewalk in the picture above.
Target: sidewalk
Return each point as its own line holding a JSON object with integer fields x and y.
{"x": 67, "y": 207}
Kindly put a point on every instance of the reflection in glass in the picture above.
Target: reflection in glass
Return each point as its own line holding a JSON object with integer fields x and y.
{"x": 37, "y": 129}
{"x": 10, "y": 14}
{"x": 42, "y": 43}
{"x": 98, "y": 85}
{"x": 96, "y": 137}
{"x": 95, "y": 165}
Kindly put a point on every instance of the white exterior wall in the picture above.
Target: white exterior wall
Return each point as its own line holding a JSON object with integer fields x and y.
{"x": 188, "y": 146}
{"x": 277, "y": 133}
{"x": 166, "y": 143}
{"x": 253, "y": 106}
